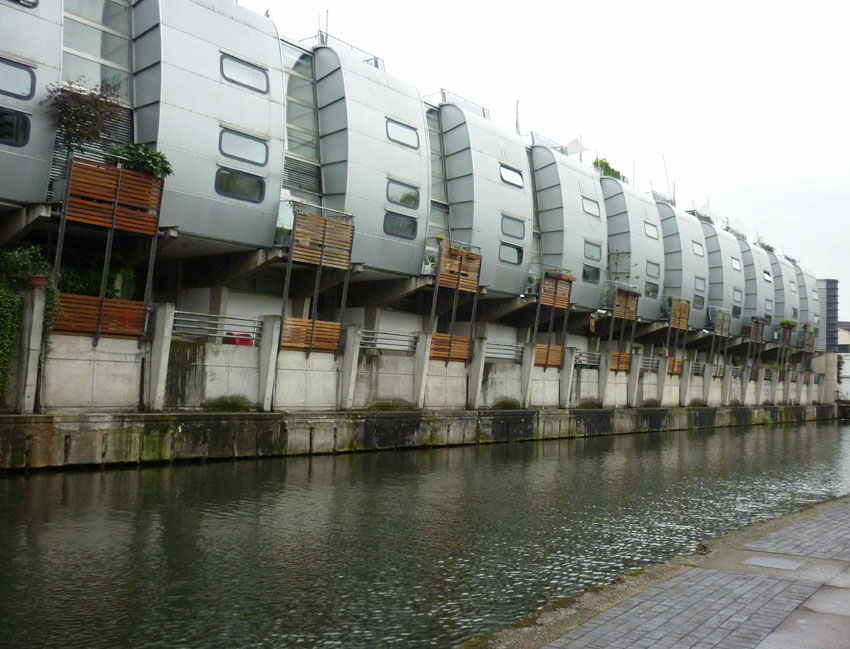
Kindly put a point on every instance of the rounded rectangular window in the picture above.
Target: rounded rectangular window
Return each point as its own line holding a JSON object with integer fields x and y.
{"x": 699, "y": 302}
{"x": 510, "y": 175}
{"x": 244, "y": 74}
{"x": 653, "y": 269}
{"x": 793, "y": 286}
{"x": 737, "y": 295}
{"x": 766, "y": 275}
{"x": 590, "y": 206}
{"x": 650, "y": 230}
{"x": 243, "y": 147}
{"x": 815, "y": 294}
{"x": 14, "y": 127}
{"x": 736, "y": 312}
{"x": 768, "y": 304}
{"x": 16, "y": 80}
{"x": 590, "y": 274}
{"x": 698, "y": 248}
{"x": 736, "y": 263}
{"x": 240, "y": 185}
{"x": 651, "y": 289}
{"x": 401, "y": 194}
{"x": 510, "y": 254}
{"x": 402, "y": 133}
{"x": 592, "y": 251}
{"x": 400, "y": 225}
{"x": 512, "y": 227}
{"x": 699, "y": 283}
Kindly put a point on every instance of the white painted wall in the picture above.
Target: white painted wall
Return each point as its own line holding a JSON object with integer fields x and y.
{"x": 306, "y": 383}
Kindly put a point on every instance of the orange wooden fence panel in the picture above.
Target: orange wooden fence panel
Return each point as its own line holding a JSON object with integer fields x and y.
{"x": 459, "y": 347}
{"x": 320, "y": 240}
{"x": 679, "y": 315}
{"x": 555, "y": 292}
{"x": 79, "y": 314}
{"x": 548, "y": 355}
{"x": 297, "y": 335}
{"x": 456, "y": 261}
{"x": 674, "y": 366}
{"x": 621, "y": 361}
{"x": 626, "y": 305}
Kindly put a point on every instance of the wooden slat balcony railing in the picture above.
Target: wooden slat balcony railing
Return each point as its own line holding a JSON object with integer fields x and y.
{"x": 324, "y": 241}
{"x": 93, "y": 192}
{"x": 440, "y": 344}
{"x": 79, "y": 315}
{"x": 297, "y": 335}
{"x": 455, "y": 261}
{"x": 679, "y": 315}
{"x": 621, "y": 361}
{"x": 556, "y": 291}
{"x": 625, "y": 307}
{"x": 548, "y": 355}
{"x": 674, "y": 366}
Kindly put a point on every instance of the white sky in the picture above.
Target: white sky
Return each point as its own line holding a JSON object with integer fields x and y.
{"x": 748, "y": 102}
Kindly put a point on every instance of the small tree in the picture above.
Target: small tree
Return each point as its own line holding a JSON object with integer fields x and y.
{"x": 80, "y": 115}
{"x": 602, "y": 166}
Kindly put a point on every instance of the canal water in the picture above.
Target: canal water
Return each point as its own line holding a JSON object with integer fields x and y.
{"x": 408, "y": 549}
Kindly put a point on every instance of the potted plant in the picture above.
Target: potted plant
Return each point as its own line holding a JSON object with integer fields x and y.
{"x": 142, "y": 158}
{"x": 26, "y": 266}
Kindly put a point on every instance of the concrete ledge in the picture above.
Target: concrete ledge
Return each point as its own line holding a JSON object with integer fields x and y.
{"x": 52, "y": 441}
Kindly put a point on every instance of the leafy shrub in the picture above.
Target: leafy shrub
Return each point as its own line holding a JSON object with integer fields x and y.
{"x": 590, "y": 403}
{"x": 81, "y": 115}
{"x": 651, "y": 403}
{"x": 142, "y": 158}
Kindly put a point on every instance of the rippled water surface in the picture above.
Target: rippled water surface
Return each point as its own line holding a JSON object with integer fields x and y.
{"x": 403, "y": 549}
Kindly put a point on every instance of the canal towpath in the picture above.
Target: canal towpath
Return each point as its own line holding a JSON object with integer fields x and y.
{"x": 784, "y": 583}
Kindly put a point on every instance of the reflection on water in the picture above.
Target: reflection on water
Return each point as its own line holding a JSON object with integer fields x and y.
{"x": 406, "y": 549}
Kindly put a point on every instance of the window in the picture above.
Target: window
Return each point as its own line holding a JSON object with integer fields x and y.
{"x": 510, "y": 254}
{"x": 590, "y": 206}
{"x": 698, "y": 249}
{"x": 736, "y": 263}
{"x": 244, "y": 74}
{"x": 401, "y": 194}
{"x": 14, "y": 127}
{"x": 766, "y": 275}
{"x": 699, "y": 302}
{"x": 768, "y": 319}
{"x": 402, "y": 133}
{"x": 240, "y": 185}
{"x": 768, "y": 304}
{"x": 653, "y": 269}
{"x": 16, "y": 80}
{"x": 651, "y": 289}
{"x": 84, "y": 39}
{"x": 592, "y": 251}
{"x": 793, "y": 286}
{"x": 736, "y": 311}
{"x": 103, "y": 12}
{"x": 815, "y": 294}
{"x": 93, "y": 74}
{"x": 650, "y": 230}
{"x": 699, "y": 283}
{"x": 513, "y": 227}
{"x": 737, "y": 295}
{"x": 243, "y": 147}
{"x": 302, "y": 144}
{"x": 29, "y": 4}
{"x": 400, "y": 225}
{"x": 590, "y": 274}
{"x": 794, "y": 312}
{"x": 510, "y": 175}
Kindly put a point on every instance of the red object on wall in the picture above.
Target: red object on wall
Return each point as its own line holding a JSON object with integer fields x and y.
{"x": 245, "y": 340}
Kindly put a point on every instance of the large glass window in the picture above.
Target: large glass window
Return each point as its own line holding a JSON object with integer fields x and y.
{"x": 653, "y": 269}
{"x": 302, "y": 144}
{"x": 402, "y": 133}
{"x": 402, "y": 194}
{"x": 14, "y": 127}
{"x": 737, "y": 295}
{"x": 243, "y": 147}
{"x": 244, "y": 74}
{"x": 590, "y": 206}
{"x": 699, "y": 283}
{"x": 94, "y": 75}
{"x": 510, "y": 254}
{"x": 513, "y": 227}
{"x": 103, "y": 12}
{"x": 400, "y": 225}
{"x": 510, "y": 175}
{"x": 650, "y": 230}
{"x": 592, "y": 251}
{"x": 297, "y": 60}
{"x": 650, "y": 289}
{"x": 97, "y": 43}
{"x": 240, "y": 185}
{"x": 736, "y": 263}
{"x": 698, "y": 249}
{"x": 590, "y": 274}
{"x": 16, "y": 80}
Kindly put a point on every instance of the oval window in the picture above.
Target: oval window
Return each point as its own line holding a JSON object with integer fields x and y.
{"x": 401, "y": 194}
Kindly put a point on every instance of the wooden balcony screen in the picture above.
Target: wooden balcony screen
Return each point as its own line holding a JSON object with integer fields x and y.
{"x": 722, "y": 323}
{"x": 548, "y": 355}
{"x": 621, "y": 361}
{"x": 318, "y": 240}
{"x": 440, "y": 344}
{"x": 456, "y": 262}
{"x": 757, "y": 331}
{"x": 297, "y": 335}
{"x": 625, "y": 307}
{"x": 93, "y": 192}
{"x": 809, "y": 342}
{"x": 679, "y": 315}
{"x": 79, "y": 315}
{"x": 674, "y": 366}
{"x": 555, "y": 292}
{"x": 806, "y": 377}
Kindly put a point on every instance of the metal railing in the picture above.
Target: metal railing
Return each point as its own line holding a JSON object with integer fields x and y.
{"x": 768, "y": 374}
{"x": 503, "y": 351}
{"x": 698, "y": 369}
{"x": 226, "y": 329}
{"x": 718, "y": 371}
{"x": 737, "y": 371}
{"x": 816, "y": 378}
{"x": 388, "y": 340}
{"x": 588, "y": 359}
{"x": 794, "y": 377}
{"x": 648, "y": 364}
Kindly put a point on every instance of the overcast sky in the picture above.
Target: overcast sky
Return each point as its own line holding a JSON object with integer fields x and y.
{"x": 748, "y": 102}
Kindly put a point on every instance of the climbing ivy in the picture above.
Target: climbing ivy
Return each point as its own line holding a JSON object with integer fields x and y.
{"x": 10, "y": 308}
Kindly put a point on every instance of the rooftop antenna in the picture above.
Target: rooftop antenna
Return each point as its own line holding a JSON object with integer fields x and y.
{"x": 666, "y": 177}
{"x": 327, "y": 20}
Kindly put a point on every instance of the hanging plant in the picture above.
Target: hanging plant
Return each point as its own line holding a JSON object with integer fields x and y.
{"x": 80, "y": 115}
{"x": 142, "y": 158}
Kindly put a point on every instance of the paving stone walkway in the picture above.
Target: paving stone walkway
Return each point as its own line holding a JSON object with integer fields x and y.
{"x": 789, "y": 590}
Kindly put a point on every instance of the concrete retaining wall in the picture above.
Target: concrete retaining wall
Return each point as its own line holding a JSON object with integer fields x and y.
{"x": 38, "y": 441}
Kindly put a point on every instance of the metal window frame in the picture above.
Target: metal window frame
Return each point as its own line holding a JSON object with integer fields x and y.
{"x": 654, "y": 229}
{"x": 418, "y": 191}
{"x": 236, "y": 196}
{"x": 519, "y": 249}
{"x": 597, "y": 245}
{"x": 735, "y": 259}
{"x": 646, "y": 292}
{"x": 503, "y": 167}
{"x": 26, "y": 68}
{"x": 702, "y": 279}
{"x": 695, "y": 245}
{"x": 26, "y": 118}
{"x": 698, "y": 302}
{"x": 225, "y": 129}
{"x": 657, "y": 265}
{"x": 404, "y": 216}
{"x": 508, "y": 234}
{"x": 585, "y": 199}
{"x": 587, "y": 281}
{"x": 225, "y": 55}
{"x": 403, "y": 126}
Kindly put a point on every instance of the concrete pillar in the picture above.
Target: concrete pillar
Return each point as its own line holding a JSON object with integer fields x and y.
{"x": 420, "y": 367}
{"x": 218, "y": 299}
{"x": 475, "y": 373}
{"x": 30, "y": 350}
{"x": 634, "y": 377}
{"x": 268, "y": 360}
{"x": 759, "y": 385}
{"x": 352, "y": 335}
{"x": 774, "y": 386}
{"x": 707, "y": 382}
{"x": 528, "y": 352}
{"x": 726, "y": 385}
{"x": 786, "y": 388}
{"x": 798, "y": 393}
{"x": 604, "y": 374}
{"x": 685, "y": 381}
{"x": 160, "y": 349}
{"x": 567, "y": 373}
{"x": 661, "y": 381}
